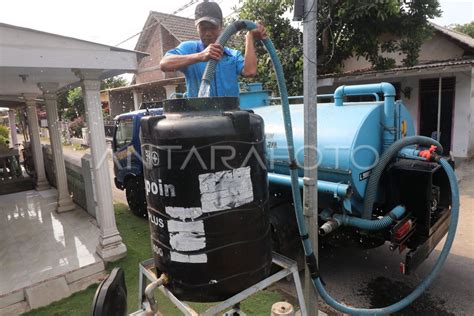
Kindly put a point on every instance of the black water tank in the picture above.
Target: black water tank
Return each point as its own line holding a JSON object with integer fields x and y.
{"x": 207, "y": 195}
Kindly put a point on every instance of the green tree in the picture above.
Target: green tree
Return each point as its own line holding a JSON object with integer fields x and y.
{"x": 113, "y": 82}
{"x": 4, "y": 140}
{"x": 467, "y": 28}
{"x": 370, "y": 27}
{"x": 362, "y": 28}
{"x": 286, "y": 38}
{"x": 71, "y": 102}
{"x": 76, "y": 102}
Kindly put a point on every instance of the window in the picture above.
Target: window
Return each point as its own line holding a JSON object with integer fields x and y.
{"x": 124, "y": 133}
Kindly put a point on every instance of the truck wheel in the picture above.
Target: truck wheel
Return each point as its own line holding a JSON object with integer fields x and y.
{"x": 135, "y": 192}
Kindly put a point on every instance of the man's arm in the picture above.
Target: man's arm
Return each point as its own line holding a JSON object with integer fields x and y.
{"x": 250, "y": 60}
{"x": 176, "y": 62}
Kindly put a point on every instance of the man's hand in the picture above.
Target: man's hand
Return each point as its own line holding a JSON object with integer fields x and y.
{"x": 213, "y": 51}
{"x": 259, "y": 33}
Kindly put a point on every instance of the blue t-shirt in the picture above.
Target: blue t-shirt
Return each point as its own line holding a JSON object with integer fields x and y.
{"x": 225, "y": 82}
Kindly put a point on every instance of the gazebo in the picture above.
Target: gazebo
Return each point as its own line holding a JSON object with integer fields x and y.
{"x": 34, "y": 67}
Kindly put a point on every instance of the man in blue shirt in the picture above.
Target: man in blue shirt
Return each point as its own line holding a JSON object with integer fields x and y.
{"x": 190, "y": 57}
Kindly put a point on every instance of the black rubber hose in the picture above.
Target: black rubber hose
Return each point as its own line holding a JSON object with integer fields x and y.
{"x": 387, "y": 156}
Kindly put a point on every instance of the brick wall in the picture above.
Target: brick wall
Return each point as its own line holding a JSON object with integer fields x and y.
{"x": 159, "y": 43}
{"x": 169, "y": 42}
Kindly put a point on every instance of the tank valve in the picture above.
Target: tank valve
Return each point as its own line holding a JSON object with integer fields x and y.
{"x": 152, "y": 309}
{"x": 328, "y": 227}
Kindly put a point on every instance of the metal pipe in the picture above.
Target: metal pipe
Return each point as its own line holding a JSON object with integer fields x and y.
{"x": 389, "y": 135}
{"x": 326, "y": 95}
{"x": 310, "y": 193}
{"x": 339, "y": 189}
{"x": 152, "y": 308}
{"x": 438, "y": 125}
{"x": 328, "y": 227}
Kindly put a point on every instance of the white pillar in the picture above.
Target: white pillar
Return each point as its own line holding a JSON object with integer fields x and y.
{"x": 110, "y": 247}
{"x": 137, "y": 99}
{"x": 41, "y": 182}
{"x": 170, "y": 89}
{"x": 12, "y": 121}
{"x": 64, "y": 198}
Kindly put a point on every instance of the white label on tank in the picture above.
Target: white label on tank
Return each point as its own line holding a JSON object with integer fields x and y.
{"x": 191, "y": 227}
{"x": 179, "y": 257}
{"x": 225, "y": 189}
{"x": 186, "y": 236}
{"x": 183, "y": 212}
{"x": 187, "y": 241}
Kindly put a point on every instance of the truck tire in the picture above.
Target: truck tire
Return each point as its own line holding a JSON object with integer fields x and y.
{"x": 136, "y": 199}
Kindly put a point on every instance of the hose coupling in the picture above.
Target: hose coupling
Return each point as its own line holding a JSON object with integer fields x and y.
{"x": 328, "y": 227}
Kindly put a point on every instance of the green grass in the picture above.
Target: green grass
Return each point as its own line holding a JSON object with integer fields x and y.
{"x": 135, "y": 234}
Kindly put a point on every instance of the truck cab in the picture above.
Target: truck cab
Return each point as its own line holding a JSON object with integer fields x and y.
{"x": 128, "y": 167}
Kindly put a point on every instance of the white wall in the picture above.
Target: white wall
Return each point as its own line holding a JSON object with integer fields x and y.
{"x": 412, "y": 102}
{"x": 471, "y": 117}
{"x": 463, "y": 110}
{"x": 438, "y": 48}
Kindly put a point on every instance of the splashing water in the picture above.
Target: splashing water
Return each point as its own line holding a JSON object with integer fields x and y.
{"x": 204, "y": 89}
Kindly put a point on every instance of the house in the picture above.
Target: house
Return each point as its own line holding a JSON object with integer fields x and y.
{"x": 50, "y": 247}
{"x": 446, "y": 68}
{"x": 160, "y": 33}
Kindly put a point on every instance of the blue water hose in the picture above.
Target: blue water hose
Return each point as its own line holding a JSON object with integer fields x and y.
{"x": 333, "y": 221}
{"x": 310, "y": 258}
{"x": 365, "y": 224}
{"x": 209, "y": 72}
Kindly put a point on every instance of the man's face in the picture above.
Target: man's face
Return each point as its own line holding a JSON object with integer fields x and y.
{"x": 208, "y": 32}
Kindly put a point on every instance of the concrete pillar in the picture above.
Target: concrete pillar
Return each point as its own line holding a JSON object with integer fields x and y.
{"x": 170, "y": 89}
{"x": 41, "y": 182}
{"x": 137, "y": 99}
{"x": 470, "y": 150}
{"x": 12, "y": 121}
{"x": 110, "y": 247}
{"x": 64, "y": 198}
{"x": 27, "y": 125}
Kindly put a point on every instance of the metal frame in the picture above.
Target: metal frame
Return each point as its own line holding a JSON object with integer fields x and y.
{"x": 289, "y": 268}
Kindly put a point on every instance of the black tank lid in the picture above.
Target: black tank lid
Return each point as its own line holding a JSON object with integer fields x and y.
{"x": 201, "y": 104}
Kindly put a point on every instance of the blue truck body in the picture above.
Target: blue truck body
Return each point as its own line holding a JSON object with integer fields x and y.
{"x": 128, "y": 166}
